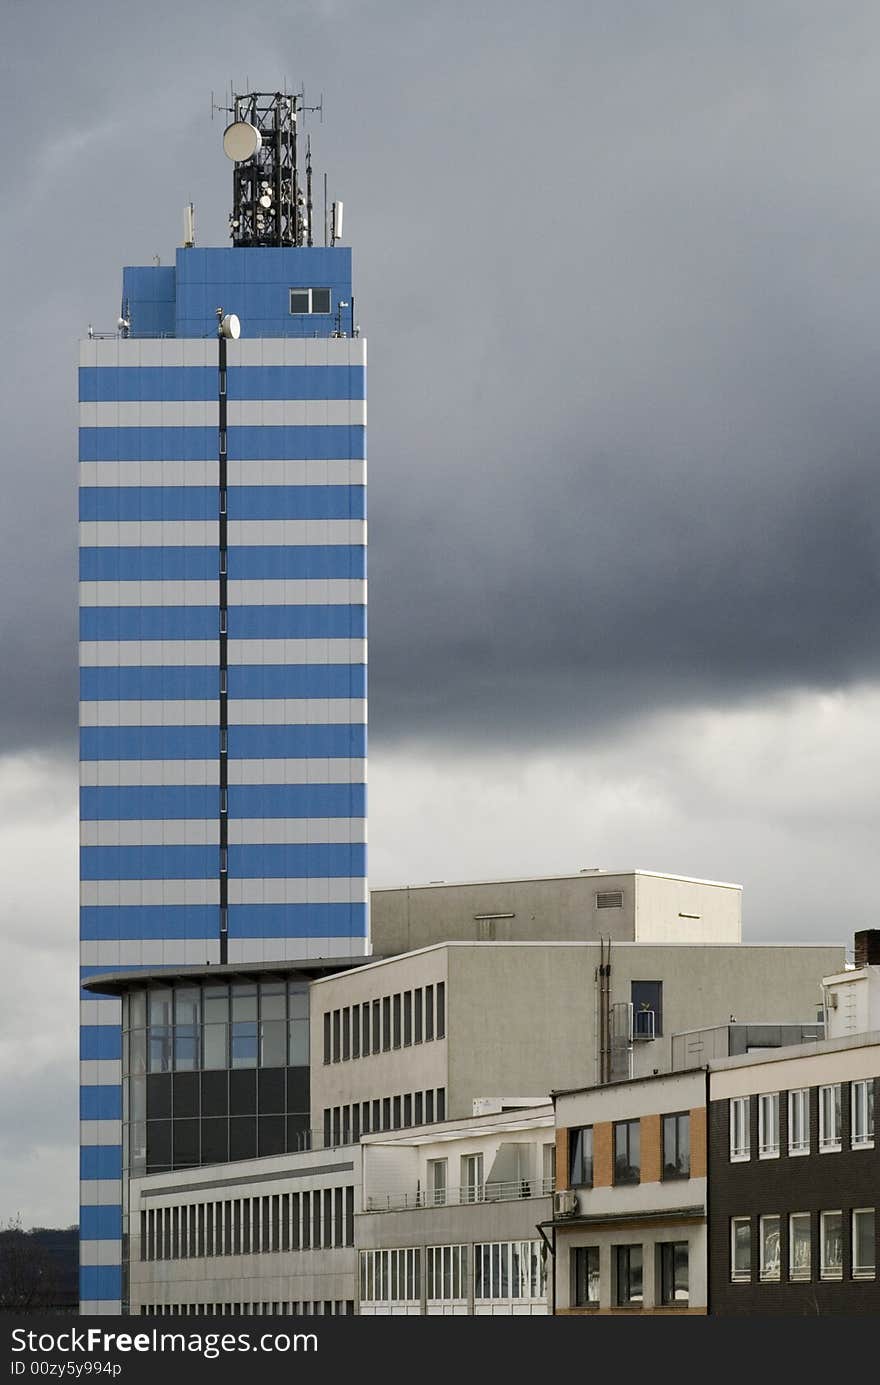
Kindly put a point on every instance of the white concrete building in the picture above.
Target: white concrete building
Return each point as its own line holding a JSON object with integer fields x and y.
{"x": 258, "y": 1236}
{"x": 625, "y": 905}
{"x": 450, "y": 1215}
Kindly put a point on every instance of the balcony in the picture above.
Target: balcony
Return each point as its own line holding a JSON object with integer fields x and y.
{"x": 467, "y": 1194}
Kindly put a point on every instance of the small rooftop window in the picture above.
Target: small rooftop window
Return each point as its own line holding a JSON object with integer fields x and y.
{"x": 310, "y": 300}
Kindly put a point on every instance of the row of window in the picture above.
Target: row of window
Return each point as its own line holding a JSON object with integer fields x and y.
{"x": 246, "y": 1025}
{"x": 676, "y": 1151}
{"x": 799, "y": 1255}
{"x": 830, "y": 1106}
{"x": 344, "y": 1125}
{"x": 627, "y": 1274}
{"x": 314, "y": 1220}
{"x": 502, "y": 1271}
{"x": 378, "y": 1026}
{"x": 307, "y": 1308}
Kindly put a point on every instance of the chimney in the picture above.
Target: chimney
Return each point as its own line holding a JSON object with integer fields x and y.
{"x": 866, "y": 948}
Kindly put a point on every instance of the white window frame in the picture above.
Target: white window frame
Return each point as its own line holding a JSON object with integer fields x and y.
{"x": 740, "y": 1276}
{"x": 862, "y": 1113}
{"x": 740, "y": 1121}
{"x": 827, "y": 1271}
{"x": 446, "y": 1270}
{"x": 799, "y": 1098}
{"x": 471, "y": 1187}
{"x": 829, "y": 1143}
{"x": 770, "y": 1268}
{"x": 437, "y": 1194}
{"x": 768, "y": 1125}
{"x": 509, "y": 1272}
{"x": 800, "y": 1274}
{"x": 862, "y": 1271}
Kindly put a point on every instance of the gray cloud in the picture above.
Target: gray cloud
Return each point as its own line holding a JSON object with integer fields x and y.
{"x": 617, "y": 272}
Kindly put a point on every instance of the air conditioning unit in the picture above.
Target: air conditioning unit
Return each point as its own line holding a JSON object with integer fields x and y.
{"x": 565, "y": 1203}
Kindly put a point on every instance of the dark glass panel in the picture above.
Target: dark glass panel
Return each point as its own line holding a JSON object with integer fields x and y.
{"x": 243, "y": 1137}
{"x": 242, "y": 1093}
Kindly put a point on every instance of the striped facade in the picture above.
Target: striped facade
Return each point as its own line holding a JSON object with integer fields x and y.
{"x": 195, "y": 767}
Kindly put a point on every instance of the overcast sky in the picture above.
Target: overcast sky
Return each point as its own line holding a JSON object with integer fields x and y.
{"x": 619, "y": 268}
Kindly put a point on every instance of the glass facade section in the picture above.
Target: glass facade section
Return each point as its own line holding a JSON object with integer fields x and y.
{"x": 213, "y": 1072}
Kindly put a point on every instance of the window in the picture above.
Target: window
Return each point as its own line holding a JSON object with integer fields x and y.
{"x": 829, "y": 1118}
{"x": 580, "y": 1157}
{"x": 740, "y": 1148}
{"x": 740, "y": 1249}
{"x": 862, "y": 1125}
{"x": 768, "y": 1125}
{"x": 437, "y": 1182}
{"x": 799, "y": 1248}
{"x": 548, "y": 1168}
{"x": 447, "y": 1270}
{"x": 509, "y": 1270}
{"x": 863, "y": 1253}
{"x": 585, "y": 1276}
{"x": 677, "y": 1146}
{"x": 831, "y": 1245}
{"x": 799, "y": 1121}
{"x": 627, "y": 1160}
{"x": 309, "y": 301}
{"x": 386, "y": 1023}
{"x": 628, "y": 1276}
{"x": 441, "y": 1009}
{"x": 417, "y": 1015}
{"x": 674, "y": 1272}
{"x": 390, "y": 1276}
{"x": 396, "y": 1012}
{"x": 472, "y": 1178}
{"x": 407, "y": 1018}
{"x": 770, "y": 1240}
{"x": 429, "y": 1013}
{"x": 647, "y": 1003}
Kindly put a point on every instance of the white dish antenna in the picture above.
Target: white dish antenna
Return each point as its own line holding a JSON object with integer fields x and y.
{"x": 241, "y": 141}
{"x": 230, "y": 327}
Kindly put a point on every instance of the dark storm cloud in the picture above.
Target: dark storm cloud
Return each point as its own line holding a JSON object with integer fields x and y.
{"x": 618, "y": 269}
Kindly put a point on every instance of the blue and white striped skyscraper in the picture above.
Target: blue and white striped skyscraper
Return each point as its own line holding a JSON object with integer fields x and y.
{"x": 222, "y": 636}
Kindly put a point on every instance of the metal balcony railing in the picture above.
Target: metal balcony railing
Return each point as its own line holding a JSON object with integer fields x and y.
{"x": 467, "y": 1194}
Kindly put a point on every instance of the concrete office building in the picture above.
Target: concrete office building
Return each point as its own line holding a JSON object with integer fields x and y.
{"x": 222, "y": 622}
{"x": 450, "y": 1214}
{"x": 258, "y": 1236}
{"x": 629, "y": 1228}
{"x": 794, "y": 1180}
{"x": 627, "y": 906}
{"x": 413, "y": 1038}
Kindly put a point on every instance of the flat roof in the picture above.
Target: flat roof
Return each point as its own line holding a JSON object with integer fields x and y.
{"x": 626, "y": 1082}
{"x": 708, "y": 945}
{"x": 593, "y": 872}
{"x": 869, "y": 1039}
{"x": 118, "y": 982}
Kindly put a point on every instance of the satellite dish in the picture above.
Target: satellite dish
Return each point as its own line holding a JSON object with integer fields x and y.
{"x": 230, "y": 327}
{"x": 265, "y": 200}
{"x": 241, "y": 141}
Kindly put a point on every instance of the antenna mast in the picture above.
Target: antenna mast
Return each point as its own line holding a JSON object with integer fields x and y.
{"x": 268, "y": 206}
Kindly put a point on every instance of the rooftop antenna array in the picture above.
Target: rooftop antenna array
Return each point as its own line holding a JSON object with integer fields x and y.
{"x": 265, "y": 143}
